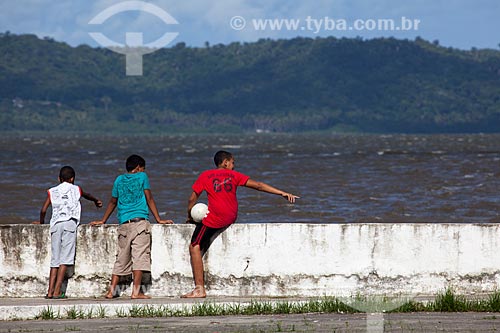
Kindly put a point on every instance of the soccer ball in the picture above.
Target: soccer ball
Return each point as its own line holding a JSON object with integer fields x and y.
{"x": 199, "y": 211}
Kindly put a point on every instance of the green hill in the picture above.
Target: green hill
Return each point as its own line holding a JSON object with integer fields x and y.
{"x": 302, "y": 84}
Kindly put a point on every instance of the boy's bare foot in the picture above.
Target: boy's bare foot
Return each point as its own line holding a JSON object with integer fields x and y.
{"x": 140, "y": 296}
{"x": 109, "y": 295}
{"x": 198, "y": 292}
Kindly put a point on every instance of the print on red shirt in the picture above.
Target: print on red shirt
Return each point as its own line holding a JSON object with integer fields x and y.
{"x": 220, "y": 186}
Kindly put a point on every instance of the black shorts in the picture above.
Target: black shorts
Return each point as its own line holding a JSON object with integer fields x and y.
{"x": 204, "y": 236}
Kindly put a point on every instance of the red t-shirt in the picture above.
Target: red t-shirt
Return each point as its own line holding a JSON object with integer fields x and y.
{"x": 220, "y": 185}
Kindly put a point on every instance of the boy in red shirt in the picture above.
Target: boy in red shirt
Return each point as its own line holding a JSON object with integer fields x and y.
{"x": 220, "y": 185}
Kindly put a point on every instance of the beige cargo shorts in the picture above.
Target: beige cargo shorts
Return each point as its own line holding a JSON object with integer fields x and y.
{"x": 134, "y": 248}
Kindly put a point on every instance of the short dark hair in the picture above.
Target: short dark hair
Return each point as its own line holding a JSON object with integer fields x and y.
{"x": 66, "y": 173}
{"x": 221, "y": 156}
{"x": 133, "y": 161}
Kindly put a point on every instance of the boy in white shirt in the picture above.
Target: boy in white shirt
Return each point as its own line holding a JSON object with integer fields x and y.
{"x": 66, "y": 210}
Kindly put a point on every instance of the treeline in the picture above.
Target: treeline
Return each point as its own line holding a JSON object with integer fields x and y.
{"x": 302, "y": 84}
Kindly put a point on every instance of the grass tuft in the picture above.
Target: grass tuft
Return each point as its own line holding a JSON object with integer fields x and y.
{"x": 47, "y": 313}
{"x": 449, "y": 302}
{"x": 494, "y": 302}
{"x": 101, "y": 312}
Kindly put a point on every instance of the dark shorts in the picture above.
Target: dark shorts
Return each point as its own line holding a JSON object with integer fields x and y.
{"x": 204, "y": 236}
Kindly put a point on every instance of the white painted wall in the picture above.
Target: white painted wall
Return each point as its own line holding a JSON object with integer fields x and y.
{"x": 273, "y": 260}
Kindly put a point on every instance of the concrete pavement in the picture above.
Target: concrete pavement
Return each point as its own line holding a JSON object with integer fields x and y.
{"x": 17, "y": 315}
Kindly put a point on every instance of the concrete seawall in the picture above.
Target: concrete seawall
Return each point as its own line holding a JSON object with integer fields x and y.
{"x": 273, "y": 260}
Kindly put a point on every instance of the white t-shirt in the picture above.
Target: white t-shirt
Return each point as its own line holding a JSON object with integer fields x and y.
{"x": 65, "y": 200}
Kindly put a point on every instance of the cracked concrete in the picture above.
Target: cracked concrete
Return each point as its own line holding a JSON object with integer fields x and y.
{"x": 252, "y": 260}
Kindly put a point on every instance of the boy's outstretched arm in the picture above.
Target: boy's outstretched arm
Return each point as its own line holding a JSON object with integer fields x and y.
{"x": 43, "y": 211}
{"x": 109, "y": 210}
{"x": 153, "y": 209}
{"x": 260, "y": 186}
{"x": 90, "y": 197}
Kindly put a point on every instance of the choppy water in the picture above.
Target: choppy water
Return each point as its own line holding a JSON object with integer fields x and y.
{"x": 340, "y": 178}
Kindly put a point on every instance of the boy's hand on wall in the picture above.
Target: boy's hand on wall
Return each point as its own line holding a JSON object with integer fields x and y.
{"x": 96, "y": 223}
{"x": 165, "y": 221}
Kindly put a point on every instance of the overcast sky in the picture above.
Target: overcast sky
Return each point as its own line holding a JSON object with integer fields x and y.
{"x": 457, "y": 23}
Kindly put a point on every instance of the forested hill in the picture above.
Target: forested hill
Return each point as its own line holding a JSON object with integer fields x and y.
{"x": 302, "y": 84}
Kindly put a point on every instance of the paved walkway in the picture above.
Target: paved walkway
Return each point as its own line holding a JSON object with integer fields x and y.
{"x": 17, "y": 315}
